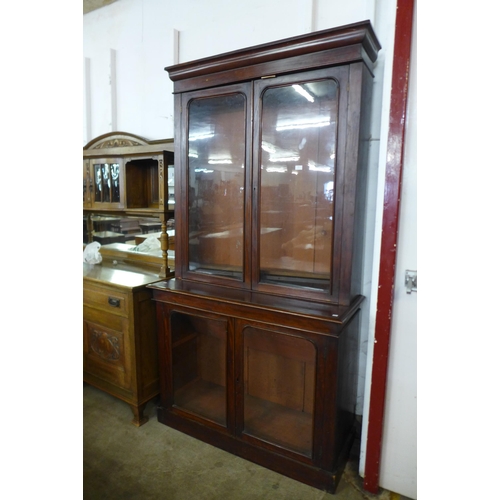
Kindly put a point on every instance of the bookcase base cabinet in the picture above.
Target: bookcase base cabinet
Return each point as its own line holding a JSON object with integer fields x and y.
{"x": 271, "y": 380}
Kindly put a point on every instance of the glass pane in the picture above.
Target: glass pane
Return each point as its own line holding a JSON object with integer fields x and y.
{"x": 115, "y": 182}
{"x": 199, "y": 365}
{"x": 216, "y": 185}
{"x": 279, "y": 389}
{"x": 98, "y": 183}
{"x": 107, "y": 182}
{"x": 299, "y": 124}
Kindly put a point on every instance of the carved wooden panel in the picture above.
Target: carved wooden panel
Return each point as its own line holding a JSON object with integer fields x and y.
{"x": 116, "y": 143}
{"x": 105, "y": 345}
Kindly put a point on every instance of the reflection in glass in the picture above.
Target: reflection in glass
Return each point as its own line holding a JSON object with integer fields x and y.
{"x": 115, "y": 182}
{"x": 279, "y": 384}
{"x": 216, "y": 185}
{"x": 299, "y": 125}
{"x": 98, "y": 183}
{"x": 107, "y": 182}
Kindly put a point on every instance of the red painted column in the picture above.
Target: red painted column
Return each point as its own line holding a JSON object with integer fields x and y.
{"x": 390, "y": 221}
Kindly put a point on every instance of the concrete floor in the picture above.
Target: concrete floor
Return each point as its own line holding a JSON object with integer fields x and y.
{"x": 124, "y": 462}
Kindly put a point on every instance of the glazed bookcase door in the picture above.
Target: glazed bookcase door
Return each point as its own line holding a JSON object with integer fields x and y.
{"x": 298, "y": 154}
{"x": 199, "y": 366}
{"x": 214, "y": 198}
{"x": 279, "y": 374}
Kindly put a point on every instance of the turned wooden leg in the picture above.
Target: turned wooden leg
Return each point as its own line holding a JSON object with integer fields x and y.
{"x": 138, "y": 411}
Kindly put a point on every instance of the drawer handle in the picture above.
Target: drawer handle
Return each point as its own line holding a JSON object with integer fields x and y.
{"x": 113, "y": 302}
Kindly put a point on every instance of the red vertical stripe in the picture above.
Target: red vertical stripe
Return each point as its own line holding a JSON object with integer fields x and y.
{"x": 390, "y": 221}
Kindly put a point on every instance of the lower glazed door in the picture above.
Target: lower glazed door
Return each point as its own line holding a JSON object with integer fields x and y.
{"x": 279, "y": 373}
{"x": 199, "y": 365}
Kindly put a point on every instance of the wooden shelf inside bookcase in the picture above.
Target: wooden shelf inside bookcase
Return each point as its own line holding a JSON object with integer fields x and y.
{"x": 267, "y": 421}
{"x": 203, "y": 398}
{"x": 279, "y": 425}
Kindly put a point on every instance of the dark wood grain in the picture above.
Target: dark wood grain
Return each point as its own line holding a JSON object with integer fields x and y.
{"x": 277, "y": 383}
{"x": 326, "y": 47}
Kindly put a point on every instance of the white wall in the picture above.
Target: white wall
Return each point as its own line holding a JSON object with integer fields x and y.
{"x": 126, "y": 46}
{"x": 142, "y": 35}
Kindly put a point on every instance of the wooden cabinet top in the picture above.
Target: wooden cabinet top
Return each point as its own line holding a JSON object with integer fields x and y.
{"x": 350, "y": 43}
{"x": 121, "y": 275}
{"x": 223, "y": 297}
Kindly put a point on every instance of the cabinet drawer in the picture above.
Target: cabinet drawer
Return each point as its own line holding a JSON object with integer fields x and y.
{"x": 109, "y": 300}
{"x": 104, "y": 318}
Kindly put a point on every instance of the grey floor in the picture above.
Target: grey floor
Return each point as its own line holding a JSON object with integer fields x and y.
{"x": 124, "y": 462}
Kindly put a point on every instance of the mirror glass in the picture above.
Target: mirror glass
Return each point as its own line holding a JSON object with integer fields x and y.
{"x": 107, "y": 182}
